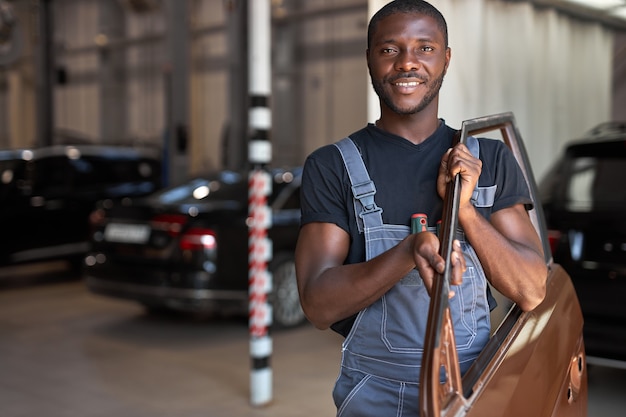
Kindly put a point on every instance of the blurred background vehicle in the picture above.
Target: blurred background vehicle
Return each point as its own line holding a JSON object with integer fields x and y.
{"x": 584, "y": 201}
{"x": 185, "y": 247}
{"x": 47, "y": 194}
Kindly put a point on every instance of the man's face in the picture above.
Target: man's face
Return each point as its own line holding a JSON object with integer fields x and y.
{"x": 407, "y": 61}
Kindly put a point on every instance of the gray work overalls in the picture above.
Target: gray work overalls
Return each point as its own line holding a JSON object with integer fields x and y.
{"x": 382, "y": 354}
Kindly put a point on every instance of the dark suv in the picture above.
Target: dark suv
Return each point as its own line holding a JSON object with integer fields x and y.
{"x": 47, "y": 194}
{"x": 584, "y": 202}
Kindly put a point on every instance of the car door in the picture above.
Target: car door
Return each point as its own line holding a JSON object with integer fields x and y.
{"x": 534, "y": 363}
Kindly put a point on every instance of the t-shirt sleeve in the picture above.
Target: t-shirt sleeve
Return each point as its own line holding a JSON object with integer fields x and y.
{"x": 323, "y": 195}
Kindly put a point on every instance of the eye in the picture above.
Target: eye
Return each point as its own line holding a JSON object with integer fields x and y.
{"x": 388, "y": 50}
{"x": 427, "y": 48}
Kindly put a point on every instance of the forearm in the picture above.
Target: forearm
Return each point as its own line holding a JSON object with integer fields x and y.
{"x": 343, "y": 290}
{"x": 516, "y": 268}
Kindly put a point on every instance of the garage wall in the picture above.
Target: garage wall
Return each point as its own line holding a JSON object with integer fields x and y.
{"x": 331, "y": 74}
{"x": 17, "y": 82}
{"x": 76, "y": 96}
{"x": 619, "y": 77}
{"x": 552, "y": 71}
{"x": 208, "y": 85}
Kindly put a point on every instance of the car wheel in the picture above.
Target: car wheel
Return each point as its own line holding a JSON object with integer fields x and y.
{"x": 285, "y": 298}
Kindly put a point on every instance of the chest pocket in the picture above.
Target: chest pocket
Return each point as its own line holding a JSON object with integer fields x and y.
{"x": 484, "y": 196}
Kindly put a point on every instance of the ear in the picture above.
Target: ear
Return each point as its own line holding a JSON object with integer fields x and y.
{"x": 448, "y": 57}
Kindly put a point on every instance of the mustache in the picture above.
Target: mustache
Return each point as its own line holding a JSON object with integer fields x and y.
{"x": 404, "y": 75}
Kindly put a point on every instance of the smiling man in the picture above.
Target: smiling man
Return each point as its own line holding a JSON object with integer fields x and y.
{"x": 361, "y": 268}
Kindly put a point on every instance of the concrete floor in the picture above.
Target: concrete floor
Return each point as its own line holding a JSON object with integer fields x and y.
{"x": 65, "y": 352}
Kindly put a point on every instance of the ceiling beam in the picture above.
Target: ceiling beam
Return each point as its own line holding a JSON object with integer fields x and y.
{"x": 580, "y": 12}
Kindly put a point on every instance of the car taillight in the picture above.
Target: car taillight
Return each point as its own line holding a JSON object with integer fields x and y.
{"x": 554, "y": 236}
{"x": 170, "y": 223}
{"x": 96, "y": 218}
{"x": 198, "y": 239}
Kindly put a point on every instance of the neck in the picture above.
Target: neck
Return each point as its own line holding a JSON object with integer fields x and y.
{"x": 415, "y": 128}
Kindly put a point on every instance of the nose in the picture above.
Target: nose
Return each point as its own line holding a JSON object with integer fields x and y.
{"x": 407, "y": 61}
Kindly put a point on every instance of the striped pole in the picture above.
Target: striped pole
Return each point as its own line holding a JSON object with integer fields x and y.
{"x": 259, "y": 188}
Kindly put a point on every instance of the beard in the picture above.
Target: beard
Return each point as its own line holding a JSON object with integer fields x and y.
{"x": 386, "y": 97}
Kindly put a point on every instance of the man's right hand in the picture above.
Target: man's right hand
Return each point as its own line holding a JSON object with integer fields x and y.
{"x": 430, "y": 263}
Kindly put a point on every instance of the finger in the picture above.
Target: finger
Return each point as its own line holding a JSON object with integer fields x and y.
{"x": 428, "y": 282}
{"x": 426, "y": 268}
{"x": 438, "y": 263}
{"x": 456, "y": 276}
{"x": 461, "y": 161}
{"x": 459, "y": 251}
{"x": 463, "y": 149}
{"x": 443, "y": 167}
{"x": 457, "y": 262}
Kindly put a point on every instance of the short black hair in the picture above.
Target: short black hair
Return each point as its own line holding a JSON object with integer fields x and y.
{"x": 407, "y": 6}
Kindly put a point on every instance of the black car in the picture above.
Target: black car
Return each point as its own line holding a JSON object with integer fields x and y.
{"x": 584, "y": 202}
{"x": 186, "y": 247}
{"x": 48, "y": 193}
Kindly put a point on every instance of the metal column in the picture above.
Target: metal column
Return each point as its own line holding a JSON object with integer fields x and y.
{"x": 177, "y": 92}
{"x": 45, "y": 70}
{"x": 235, "y": 140}
{"x": 113, "y": 103}
{"x": 260, "y": 187}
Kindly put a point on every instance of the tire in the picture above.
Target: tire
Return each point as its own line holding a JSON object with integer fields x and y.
{"x": 285, "y": 299}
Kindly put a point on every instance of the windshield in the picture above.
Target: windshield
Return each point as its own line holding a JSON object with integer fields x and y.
{"x": 594, "y": 184}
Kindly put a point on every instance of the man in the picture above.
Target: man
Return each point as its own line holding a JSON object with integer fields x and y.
{"x": 356, "y": 254}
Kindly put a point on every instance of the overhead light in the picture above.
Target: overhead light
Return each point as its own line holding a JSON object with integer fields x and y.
{"x": 600, "y": 4}
{"x": 611, "y": 12}
{"x": 619, "y": 12}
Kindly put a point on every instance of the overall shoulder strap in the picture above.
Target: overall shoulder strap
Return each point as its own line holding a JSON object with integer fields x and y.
{"x": 482, "y": 196}
{"x": 473, "y": 146}
{"x": 368, "y": 214}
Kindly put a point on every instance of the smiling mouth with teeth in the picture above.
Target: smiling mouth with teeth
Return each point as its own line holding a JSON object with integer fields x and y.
{"x": 409, "y": 84}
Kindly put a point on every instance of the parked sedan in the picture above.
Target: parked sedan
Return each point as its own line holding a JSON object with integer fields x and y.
{"x": 186, "y": 247}
{"x": 47, "y": 194}
{"x": 585, "y": 206}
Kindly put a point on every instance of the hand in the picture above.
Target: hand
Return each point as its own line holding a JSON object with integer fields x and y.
{"x": 459, "y": 160}
{"x": 429, "y": 263}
